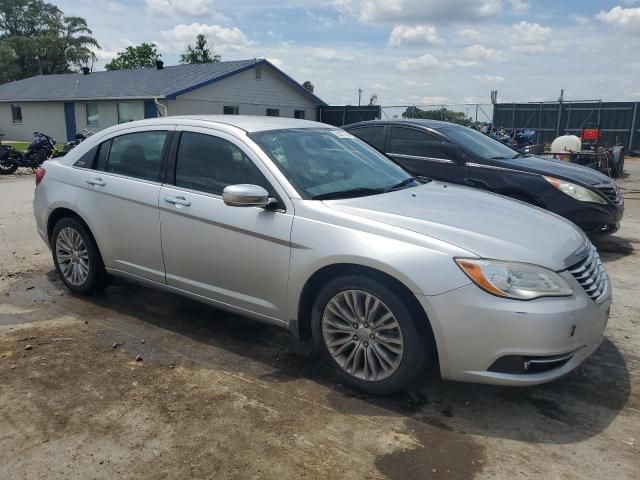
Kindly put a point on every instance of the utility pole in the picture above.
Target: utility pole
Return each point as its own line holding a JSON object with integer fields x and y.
{"x": 360, "y": 96}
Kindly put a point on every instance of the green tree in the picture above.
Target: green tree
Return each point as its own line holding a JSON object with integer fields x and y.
{"x": 9, "y": 69}
{"x": 309, "y": 86}
{"x": 42, "y": 39}
{"x": 201, "y": 53}
{"x": 438, "y": 114}
{"x": 140, "y": 56}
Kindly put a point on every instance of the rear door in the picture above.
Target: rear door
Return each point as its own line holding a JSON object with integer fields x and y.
{"x": 423, "y": 154}
{"x": 237, "y": 256}
{"x": 119, "y": 200}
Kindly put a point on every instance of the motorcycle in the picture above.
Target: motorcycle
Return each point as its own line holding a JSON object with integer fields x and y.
{"x": 79, "y": 138}
{"x": 41, "y": 148}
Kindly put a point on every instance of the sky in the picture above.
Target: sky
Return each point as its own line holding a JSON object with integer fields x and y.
{"x": 407, "y": 52}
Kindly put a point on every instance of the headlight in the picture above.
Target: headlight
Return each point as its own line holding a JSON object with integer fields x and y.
{"x": 576, "y": 191}
{"x": 520, "y": 281}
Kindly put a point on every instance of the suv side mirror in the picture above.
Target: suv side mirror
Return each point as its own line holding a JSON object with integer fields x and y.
{"x": 454, "y": 151}
{"x": 244, "y": 195}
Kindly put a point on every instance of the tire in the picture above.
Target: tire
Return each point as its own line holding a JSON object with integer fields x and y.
{"x": 617, "y": 161}
{"x": 84, "y": 272}
{"x": 381, "y": 377}
{"x": 7, "y": 166}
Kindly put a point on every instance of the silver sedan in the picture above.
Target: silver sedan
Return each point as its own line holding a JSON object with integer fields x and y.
{"x": 301, "y": 225}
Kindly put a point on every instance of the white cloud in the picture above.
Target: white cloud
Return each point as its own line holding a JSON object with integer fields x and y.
{"x": 331, "y": 55}
{"x": 418, "y": 34}
{"x": 530, "y": 37}
{"x": 489, "y": 78}
{"x": 386, "y": 11}
{"x": 627, "y": 18}
{"x": 277, "y": 62}
{"x": 433, "y": 100}
{"x": 480, "y": 53}
{"x": 414, "y": 83}
{"x": 519, "y": 6}
{"x": 222, "y": 38}
{"x": 188, "y": 8}
{"x": 378, "y": 87}
{"x": 470, "y": 34}
{"x": 426, "y": 61}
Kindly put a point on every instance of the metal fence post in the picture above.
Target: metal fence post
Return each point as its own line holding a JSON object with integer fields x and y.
{"x": 559, "y": 118}
{"x": 633, "y": 125}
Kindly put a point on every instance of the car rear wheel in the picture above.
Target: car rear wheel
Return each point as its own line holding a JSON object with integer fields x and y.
{"x": 76, "y": 257}
{"x": 367, "y": 333}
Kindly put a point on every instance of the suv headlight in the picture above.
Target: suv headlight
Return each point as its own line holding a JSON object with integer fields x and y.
{"x": 576, "y": 191}
{"x": 520, "y": 281}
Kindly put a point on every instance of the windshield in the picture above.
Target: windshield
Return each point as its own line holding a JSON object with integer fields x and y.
{"x": 478, "y": 143}
{"x": 326, "y": 163}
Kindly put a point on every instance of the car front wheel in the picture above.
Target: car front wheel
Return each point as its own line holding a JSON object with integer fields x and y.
{"x": 368, "y": 334}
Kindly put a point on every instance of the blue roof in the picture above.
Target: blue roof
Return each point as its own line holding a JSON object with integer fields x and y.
{"x": 168, "y": 82}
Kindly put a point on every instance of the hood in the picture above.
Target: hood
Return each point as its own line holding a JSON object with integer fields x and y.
{"x": 486, "y": 224}
{"x": 559, "y": 169}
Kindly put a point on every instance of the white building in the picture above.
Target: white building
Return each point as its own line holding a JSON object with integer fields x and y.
{"x": 61, "y": 105}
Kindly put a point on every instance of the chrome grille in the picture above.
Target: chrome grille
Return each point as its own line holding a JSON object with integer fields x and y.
{"x": 611, "y": 191}
{"x": 591, "y": 275}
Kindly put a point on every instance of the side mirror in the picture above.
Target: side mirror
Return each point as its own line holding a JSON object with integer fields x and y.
{"x": 244, "y": 195}
{"x": 454, "y": 151}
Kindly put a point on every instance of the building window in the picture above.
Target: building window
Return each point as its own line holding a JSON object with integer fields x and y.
{"x": 93, "y": 118}
{"x": 125, "y": 112}
{"x": 16, "y": 113}
{"x": 299, "y": 114}
{"x": 273, "y": 112}
{"x": 230, "y": 110}
{"x": 258, "y": 73}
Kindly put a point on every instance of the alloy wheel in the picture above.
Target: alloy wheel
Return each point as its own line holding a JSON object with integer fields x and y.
{"x": 362, "y": 335}
{"x": 72, "y": 256}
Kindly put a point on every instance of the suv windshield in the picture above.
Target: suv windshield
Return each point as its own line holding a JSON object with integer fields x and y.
{"x": 331, "y": 163}
{"x": 478, "y": 143}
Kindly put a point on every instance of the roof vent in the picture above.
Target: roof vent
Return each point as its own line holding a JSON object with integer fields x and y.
{"x": 86, "y": 70}
{"x": 159, "y": 64}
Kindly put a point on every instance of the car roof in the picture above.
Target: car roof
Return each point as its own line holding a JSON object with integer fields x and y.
{"x": 248, "y": 123}
{"x": 433, "y": 124}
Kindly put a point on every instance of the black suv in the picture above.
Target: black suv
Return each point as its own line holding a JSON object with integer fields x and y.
{"x": 453, "y": 153}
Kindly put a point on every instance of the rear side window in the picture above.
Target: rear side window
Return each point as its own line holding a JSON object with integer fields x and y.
{"x": 208, "y": 164}
{"x": 373, "y": 135}
{"x": 86, "y": 160}
{"x": 103, "y": 155}
{"x": 137, "y": 155}
{"x": 409, "y": 141}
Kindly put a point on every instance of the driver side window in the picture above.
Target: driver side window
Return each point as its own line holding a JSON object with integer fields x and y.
{"x": 410, "y": 141}
{"x": 208, "y": 164}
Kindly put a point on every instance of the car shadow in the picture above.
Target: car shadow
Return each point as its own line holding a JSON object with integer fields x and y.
{"x": 613, "y": 247}
{"x": 571, "y": 409}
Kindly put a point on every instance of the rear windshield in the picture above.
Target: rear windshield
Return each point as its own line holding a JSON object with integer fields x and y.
{"x": 478, "y": 143}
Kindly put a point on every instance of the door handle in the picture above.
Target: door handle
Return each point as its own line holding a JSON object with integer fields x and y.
{"x": 96, "y": 181}
{"x": 177, "y": 201}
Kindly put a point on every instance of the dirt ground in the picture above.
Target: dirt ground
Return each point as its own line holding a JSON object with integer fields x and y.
{"x": 222, "y": 397}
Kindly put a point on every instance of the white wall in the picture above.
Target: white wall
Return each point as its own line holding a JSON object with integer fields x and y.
{"x": 46, "y": 117}
{"x": 251, "y": 96}
{"x": 108, "y": 114}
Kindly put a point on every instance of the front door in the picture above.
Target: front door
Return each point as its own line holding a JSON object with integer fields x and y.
{"x": 236, "y": 256}
{"x": 423, "y": 154}
{"x": 119, "y": 199}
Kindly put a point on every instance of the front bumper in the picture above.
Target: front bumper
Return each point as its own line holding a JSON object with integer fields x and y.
{"x": 595, "y": 219}
{"x": 474, "y": 329}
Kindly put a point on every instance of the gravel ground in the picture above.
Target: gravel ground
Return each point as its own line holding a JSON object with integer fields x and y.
{"x": 218, "y": 396}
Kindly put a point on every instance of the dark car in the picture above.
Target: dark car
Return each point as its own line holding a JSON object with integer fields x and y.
{"x": 453, "y": 153}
